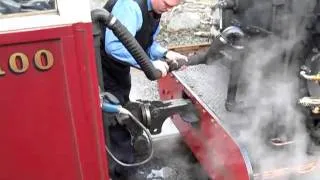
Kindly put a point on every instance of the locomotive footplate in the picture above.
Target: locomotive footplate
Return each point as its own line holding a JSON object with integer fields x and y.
{"x": 235, "y": 145}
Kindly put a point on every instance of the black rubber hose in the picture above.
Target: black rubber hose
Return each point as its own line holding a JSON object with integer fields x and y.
{"x": 208, "y": 56}
{"x": 128, "y": 41}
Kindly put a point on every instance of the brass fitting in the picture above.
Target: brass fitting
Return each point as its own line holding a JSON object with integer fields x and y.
{"x": 316, "y": 110}
{"x": 310, "y": 77}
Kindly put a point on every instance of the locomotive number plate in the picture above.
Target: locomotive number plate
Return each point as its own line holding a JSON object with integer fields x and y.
{"x": 19, "y": 62}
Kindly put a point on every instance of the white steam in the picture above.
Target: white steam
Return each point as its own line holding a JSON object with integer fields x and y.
{"x": 272, "y": 87}
{"x": 271, "y": 91}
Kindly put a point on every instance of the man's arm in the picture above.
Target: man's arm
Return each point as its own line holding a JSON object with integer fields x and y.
{"x": 156, "y": 51}
{"x": 130, "y": 15}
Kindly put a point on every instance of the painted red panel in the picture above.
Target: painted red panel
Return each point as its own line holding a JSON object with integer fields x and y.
{"x": 50, "y": 121}
{"x": 215, "y": 149}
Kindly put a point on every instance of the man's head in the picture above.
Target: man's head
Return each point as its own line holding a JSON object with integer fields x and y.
{"x": 161, "y": 6}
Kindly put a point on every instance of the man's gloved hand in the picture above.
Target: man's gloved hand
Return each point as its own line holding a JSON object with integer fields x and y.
{"x": 161, "y": 66}
{"x": 175, "y": 60}
{"x": 176, "y": 64}
{"x": 174, "y": 56}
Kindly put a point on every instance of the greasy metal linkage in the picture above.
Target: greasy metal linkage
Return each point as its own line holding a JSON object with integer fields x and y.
{"x": 153, "y": 113}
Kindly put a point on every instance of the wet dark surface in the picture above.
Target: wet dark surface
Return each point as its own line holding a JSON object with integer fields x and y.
{"x": 172, "y": 161}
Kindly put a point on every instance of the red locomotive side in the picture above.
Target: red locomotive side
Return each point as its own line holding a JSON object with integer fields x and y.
{"x": 51, "y": 125}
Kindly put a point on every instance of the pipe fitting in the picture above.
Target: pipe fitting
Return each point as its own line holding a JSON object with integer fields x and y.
{"x": 309, "y": 101}
{"x": 310, "y": 77}
{"x": 229, "y": 36}
{"x": 226, "y": 4}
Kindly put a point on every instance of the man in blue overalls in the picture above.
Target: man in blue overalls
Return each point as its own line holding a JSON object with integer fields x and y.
{"x": 141, "y": 18}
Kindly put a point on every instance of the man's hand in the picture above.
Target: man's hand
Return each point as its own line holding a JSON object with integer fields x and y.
{"x": 175, "y": 60}
{"x": 174, "y": 56}
{"x": 161, "y": 66}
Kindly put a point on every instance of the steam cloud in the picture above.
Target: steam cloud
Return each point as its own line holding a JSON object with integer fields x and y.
{"x": 272, "y": 87}
{"x": 271, "y": 90}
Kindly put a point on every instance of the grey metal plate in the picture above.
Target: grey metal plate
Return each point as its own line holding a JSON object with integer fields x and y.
{"x": 210, "y": 83}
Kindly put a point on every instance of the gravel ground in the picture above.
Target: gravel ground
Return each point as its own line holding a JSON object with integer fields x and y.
{"x": 172, "y": 161}
{"x": 183, "y": 34}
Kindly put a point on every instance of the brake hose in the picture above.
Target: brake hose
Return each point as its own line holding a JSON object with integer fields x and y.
{"x": 125, "y": 111}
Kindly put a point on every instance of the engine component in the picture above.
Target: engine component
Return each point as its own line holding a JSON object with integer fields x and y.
{"x": 310, "y": 77}
{"x": 145, "y": 116}
{"x": 225, "y": 4}
{"x": 153, "y": 113}
{"x": 310, "y": 101}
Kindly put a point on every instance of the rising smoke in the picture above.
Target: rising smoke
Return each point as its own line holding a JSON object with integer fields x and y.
{"x": 272, "y": 90}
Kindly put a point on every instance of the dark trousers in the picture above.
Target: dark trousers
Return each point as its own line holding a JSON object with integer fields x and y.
{"x": 117, "y": 80}
{"x": 118, "y": 139}
{"x": 120, "y": 143}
